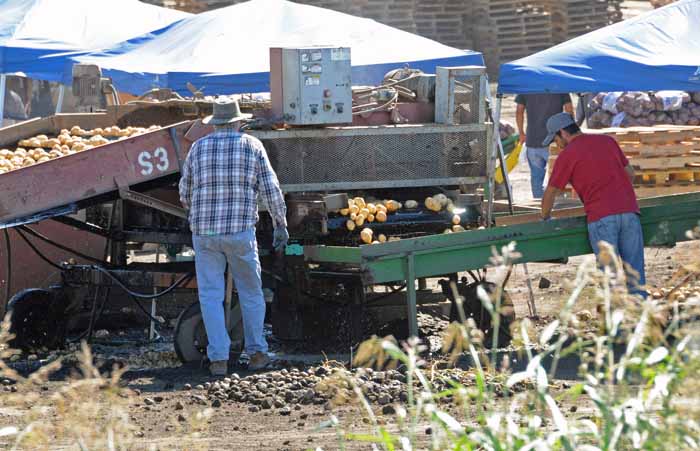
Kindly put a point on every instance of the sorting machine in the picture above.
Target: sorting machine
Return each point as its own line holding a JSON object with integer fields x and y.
{"x": 438, "y": 140}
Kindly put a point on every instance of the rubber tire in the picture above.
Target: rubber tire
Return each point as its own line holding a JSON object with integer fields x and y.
{"x": 191, "y": 336}
{"x": 37, "y": 319}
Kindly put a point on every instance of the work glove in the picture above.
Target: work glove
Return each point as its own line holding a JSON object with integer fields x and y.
{"x": 280, "y": 238}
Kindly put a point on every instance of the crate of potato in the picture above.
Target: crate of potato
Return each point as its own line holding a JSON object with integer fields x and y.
{"x": 42, "y": 148}
{"x": 666, "y": 159}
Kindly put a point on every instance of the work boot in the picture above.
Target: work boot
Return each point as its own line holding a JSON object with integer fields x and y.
{"x": 258, "y": 361}
{"x": 218, "y": 368}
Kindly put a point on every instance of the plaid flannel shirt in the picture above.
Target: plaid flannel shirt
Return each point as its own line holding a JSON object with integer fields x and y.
{"x": 221, "y": 179}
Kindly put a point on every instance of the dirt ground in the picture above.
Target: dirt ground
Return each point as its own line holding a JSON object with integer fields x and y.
{"x": 160, "y": 425}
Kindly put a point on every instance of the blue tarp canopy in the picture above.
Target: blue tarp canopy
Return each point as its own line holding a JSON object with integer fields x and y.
{"x": 35, "y": 33}
{"x": 227, "y": 50}
{"x": 655, "y": 51}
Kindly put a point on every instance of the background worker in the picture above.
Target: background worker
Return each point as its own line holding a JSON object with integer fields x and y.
{"x": 601, "y": 175}
{"x": 221, "y": 179}
{"x": 538, "y": 108}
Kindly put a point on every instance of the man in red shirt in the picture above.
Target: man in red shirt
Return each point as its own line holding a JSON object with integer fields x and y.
{"x": 602, "y": 177}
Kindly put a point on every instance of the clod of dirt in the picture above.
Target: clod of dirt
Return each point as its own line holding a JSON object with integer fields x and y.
{"x": 253, "y": 409}
{"x": 187, "y": 387}
{"x": 179, "y": 406}
{"x": 544, "y": 283}
{"x": 149, "y": 401}
{"x": 158, "y": 399}
{"x": 285, "y": 411}
{"x": 181, "y": 418}
{"x": 216, "y": 403}
{"x": 388, "y": 410}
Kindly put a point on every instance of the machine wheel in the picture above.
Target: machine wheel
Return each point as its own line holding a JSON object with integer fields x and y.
{"x": 191, "y": 336}
{"x": 37, "y": 319}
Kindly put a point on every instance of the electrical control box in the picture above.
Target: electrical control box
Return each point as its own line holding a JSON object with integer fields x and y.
{"x": 311, "y": 85}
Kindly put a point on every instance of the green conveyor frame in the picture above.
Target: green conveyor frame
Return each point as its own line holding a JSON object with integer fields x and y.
{"x": 665, "y": 221}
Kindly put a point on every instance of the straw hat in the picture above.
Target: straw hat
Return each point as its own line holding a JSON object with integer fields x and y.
{"x": 226, "y": 111}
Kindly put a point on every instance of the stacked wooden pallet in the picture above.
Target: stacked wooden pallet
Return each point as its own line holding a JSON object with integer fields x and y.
{"x": 572, "y": 18}
{"x": 505, "y": 30}
{"x": 666, "y": 159}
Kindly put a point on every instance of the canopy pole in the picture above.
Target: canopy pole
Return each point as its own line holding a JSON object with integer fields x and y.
{"x": 3, "y": 79}
{"x": 501, "y": 155}
{"x": 61, "y": 93}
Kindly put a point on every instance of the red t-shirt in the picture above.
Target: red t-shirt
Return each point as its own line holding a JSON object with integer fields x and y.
{"x": 595, "y": 167}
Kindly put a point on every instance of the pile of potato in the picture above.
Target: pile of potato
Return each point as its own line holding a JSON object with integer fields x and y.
{"x": 41, "y": 148}
{"x": 631, "y": 109}
{"x": 360, "y": 212}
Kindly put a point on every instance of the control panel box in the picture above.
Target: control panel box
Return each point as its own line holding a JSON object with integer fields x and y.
{"x": 311, "y": 85}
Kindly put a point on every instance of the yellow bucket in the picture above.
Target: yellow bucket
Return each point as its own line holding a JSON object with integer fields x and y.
{"x": 511, "y": 162}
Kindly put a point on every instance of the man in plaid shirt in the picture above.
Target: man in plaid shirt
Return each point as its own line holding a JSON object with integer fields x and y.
{"x": 221, "y": 178}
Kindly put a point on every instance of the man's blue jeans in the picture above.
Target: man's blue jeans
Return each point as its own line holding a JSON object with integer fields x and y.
{"x": 624, "y": 233}
{"x": 537, "y": 159}
{"x": 212, "y": 253}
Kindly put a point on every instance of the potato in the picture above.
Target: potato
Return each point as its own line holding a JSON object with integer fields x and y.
{"x": 411, "y": 204}
{"x": 366, "y": 235}
{"x": 441, "y": 199}
{"x": 28, "y": 162}
{"x": 394, "y": 238}
{"x": 354, "y": 209}
{"x": 432, "y": 204}
{"x": 380, "y": 216}
{"x": 344, "y": 211}
{"x": 360, "y": 202}
{"x": 456, "y": 219}
{"x": 55, "y": 154}
{"x": 20, "y": 153}
{"x": 360, "y": 220}
{"x": 447, "y": 231}
{"x": 353, "y": 216}
{"x": 43, "y": 159}
{"x": 350, "y": 225}
{"x": 381, "y": 238}
{"x": 41, "y": 137}
{"x": 52, "y": 142}
{"x": 24, "y": 143}
{"x": 371, "y": 208}
{"x": 457, "y": 228}
{"x": 364, "y": 212}
{"x": 76, "y": 130}
{"x": 381, "y": 207}
{"x": 370, "y": 217}
{"x": 392, "y": 206}
{"x": 5, "y": 153}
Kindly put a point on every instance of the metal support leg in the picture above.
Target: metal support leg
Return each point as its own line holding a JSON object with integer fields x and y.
{"x": 422, "y": 284}
{"x": 152, "y": 329}
{"x": 411, "y": 294}
{"x": 61, "y": 95}
{"x": 3, "y": 79}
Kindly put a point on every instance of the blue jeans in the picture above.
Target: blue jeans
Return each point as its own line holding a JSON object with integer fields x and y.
{"x": 212, "y": 253}
{"x": 537, "y": 159}
{"x": 624, "y": 232}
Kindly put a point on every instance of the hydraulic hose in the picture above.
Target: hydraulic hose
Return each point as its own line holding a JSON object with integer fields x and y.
{"x": 142, "y": 295}
{"x": 47, "y": 240}
{"x": 37, "y": 251}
